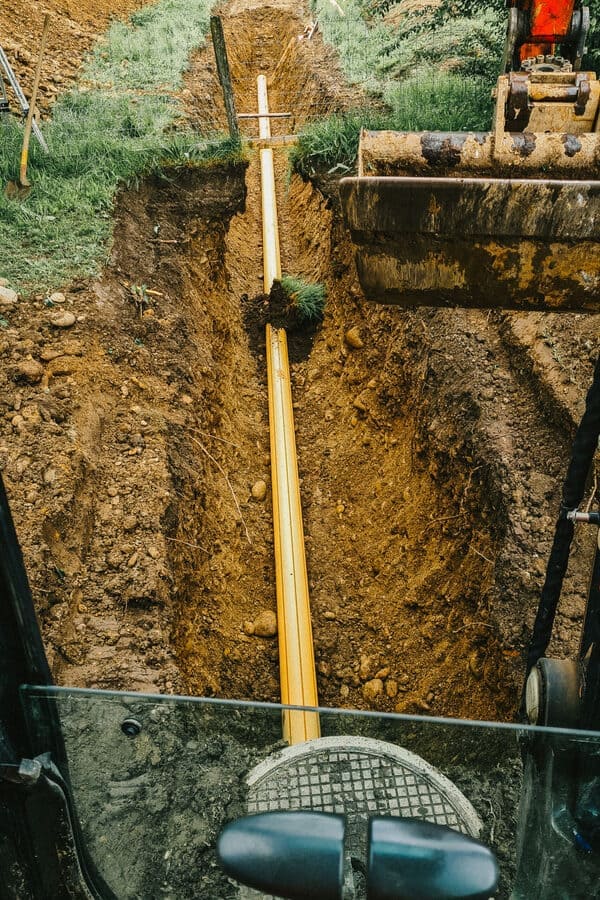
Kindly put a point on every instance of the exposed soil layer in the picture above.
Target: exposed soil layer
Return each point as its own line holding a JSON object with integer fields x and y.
{"x": 432, "y": 445}
{"x": 75, "y": 25}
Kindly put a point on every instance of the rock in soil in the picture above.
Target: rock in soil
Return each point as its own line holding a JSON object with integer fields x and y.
{"x": 7, "y": 296}
{"x": 259, "y": 490}
{"x": 265, "y": 624}
{"x": 63, "y": 320}
{"x": 353, "y": 338}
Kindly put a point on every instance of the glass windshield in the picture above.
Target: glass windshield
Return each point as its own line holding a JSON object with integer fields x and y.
{"x": 154, "y": 779}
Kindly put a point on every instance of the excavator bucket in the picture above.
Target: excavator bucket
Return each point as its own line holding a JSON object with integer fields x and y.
{"x": 508, "y": 218}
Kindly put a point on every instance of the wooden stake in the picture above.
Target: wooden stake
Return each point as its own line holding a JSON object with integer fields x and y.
{"x": 216, "y": 29}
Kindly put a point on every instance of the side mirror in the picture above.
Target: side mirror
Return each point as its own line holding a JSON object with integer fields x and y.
{"x": 413, "y": 860}
{"x": 298, "y": 855}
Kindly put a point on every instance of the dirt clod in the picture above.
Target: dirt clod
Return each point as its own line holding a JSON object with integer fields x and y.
{"x": 353, "y": 338}
{"x": 30, "y": 371}
{"x": 372, "y": 689}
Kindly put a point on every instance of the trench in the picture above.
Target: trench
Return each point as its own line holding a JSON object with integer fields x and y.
{"x": 429, "y": 464}
{"x": 400, "y": 555}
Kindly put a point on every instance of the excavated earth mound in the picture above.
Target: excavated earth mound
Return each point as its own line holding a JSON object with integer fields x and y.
{"x": 75, "y": 26}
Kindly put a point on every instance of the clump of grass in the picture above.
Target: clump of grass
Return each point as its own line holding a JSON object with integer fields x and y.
{"x": 421, "y": 103}
{"x": 100, "y": 138}
{"x": 332, "y": 143}
{"x": 306, "y": 299}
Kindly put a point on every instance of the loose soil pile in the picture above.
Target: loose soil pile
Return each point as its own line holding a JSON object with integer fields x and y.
{"x": 75, "y": 27}
{"x": 432, "y": 444}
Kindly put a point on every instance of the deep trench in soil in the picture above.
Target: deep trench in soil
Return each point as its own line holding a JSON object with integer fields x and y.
{"x": 398, "y": 573}
{"x": 429, "y": 460}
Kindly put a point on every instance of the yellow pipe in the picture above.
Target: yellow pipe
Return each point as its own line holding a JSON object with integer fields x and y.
{"x": 264, "y": 123}
{"x": 271, "y": 254}
{"x": 296, "y": 653}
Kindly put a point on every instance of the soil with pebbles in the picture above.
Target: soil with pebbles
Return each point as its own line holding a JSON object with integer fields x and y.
{"x": 135, "y": 451}
{"x": 432, "y": 444}
{"x": 75, "y": 26}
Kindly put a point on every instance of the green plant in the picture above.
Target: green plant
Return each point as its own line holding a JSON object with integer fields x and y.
{"x": 422, "y": 103}
{"x": 102, "y": 137}
{"x": 306, "y": 299}
{"x": 332, "y": 143}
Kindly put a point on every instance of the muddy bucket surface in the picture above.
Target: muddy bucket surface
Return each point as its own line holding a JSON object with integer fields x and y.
{"x": 519, "y": 243}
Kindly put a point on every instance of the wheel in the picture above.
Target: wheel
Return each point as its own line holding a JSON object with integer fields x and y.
{"x": 552, "y": 693}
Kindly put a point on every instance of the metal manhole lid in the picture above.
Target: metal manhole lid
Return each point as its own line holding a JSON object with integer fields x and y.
{"x": 358, "y": 777}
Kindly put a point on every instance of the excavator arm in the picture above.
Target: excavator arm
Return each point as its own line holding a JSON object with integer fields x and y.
{"x": 546, "y": 28}
{"x": 508, "y": 218}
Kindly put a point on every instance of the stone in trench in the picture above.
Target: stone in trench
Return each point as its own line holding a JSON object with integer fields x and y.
{"x": 8, "y": 297}
{"x": 372, "y": 689}
{"x": 29, "y": 370}
{"x": 391, "y": 688}
{"x": 63, "y": 319}
{"x": 365, "y": 667}
{"x": 265, "y": 624}
{"x": 353, "y": 338}
{"x": 57, "y": 297}
{"x": 259, "y": 489}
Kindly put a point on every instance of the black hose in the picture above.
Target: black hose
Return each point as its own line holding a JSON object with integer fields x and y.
{"x": 584, "y": 448}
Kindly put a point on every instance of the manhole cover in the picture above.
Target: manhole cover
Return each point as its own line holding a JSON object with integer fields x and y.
{"x": 359, "y": 777}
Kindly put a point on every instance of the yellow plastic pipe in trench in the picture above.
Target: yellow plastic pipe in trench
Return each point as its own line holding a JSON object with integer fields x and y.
{"x": 296, "y": 652}
{"x": 271, "y": 255}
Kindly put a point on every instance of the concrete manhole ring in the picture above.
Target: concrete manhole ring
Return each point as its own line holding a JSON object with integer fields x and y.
{"x": 358, "y": 777}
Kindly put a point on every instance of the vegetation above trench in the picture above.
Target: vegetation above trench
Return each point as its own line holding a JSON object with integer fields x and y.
{"x": 121, "y": 122}
{"x": 423, "y": 65}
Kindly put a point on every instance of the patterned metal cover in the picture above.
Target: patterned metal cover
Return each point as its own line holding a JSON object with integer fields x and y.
{"x": 359, "y": 777}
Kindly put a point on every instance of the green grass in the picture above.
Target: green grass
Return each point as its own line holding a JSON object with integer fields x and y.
{"x": 431, "y": 72}
{"x": 153, "y": 48}
{"x": 441, "y": 103}
{"x": 99, "y": 138}
{"x": 306, "y": 299}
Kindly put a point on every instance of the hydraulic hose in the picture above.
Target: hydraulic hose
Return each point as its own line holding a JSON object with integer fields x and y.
{"x": 584, "y": 448}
